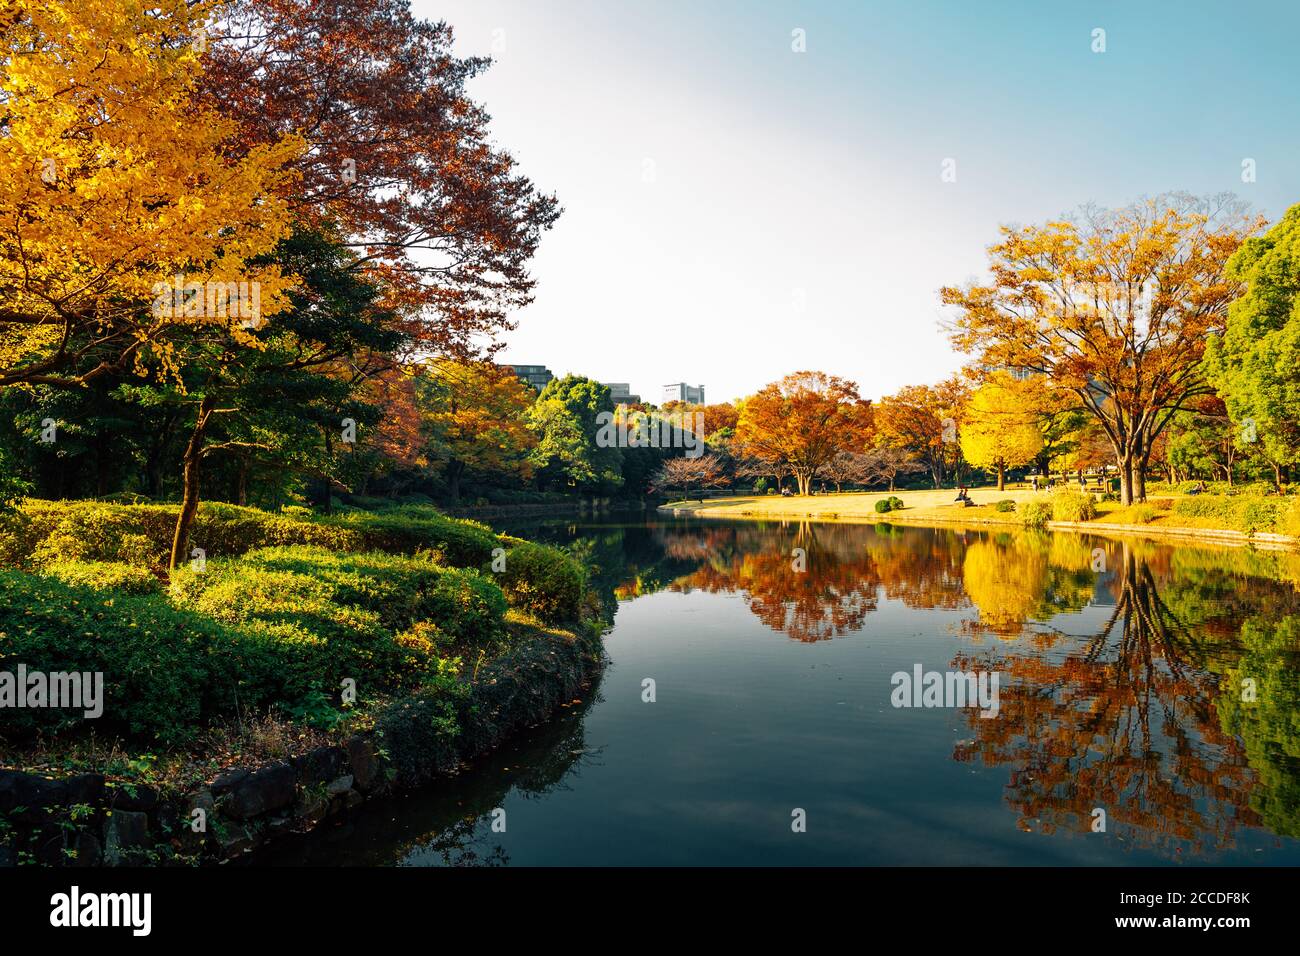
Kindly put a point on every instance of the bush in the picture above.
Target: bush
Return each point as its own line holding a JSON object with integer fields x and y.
{"x": 53, "y": 532}
{"x": 45, "y": 533}
{"x": 1236, "y": 512}
{"x": 164, "y": 670}
{"x": 106, "y": 576}
{"x": 895, "y": 504}
{"x": 1289, "y": 522}
{"x": 544, "y": 581}
{"x": 410, "y": 528}
{"x": 1005, "y": 506}
{"x": 346, "y": 597}
{"x": 1073, "y": 506}
{"x": 884, "y": 505}
{"x": 1035, "y": 514}
{"x": 1143, "y": 513}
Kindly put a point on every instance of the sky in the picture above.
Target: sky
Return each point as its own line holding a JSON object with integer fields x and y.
{"x": 735, "y": 210}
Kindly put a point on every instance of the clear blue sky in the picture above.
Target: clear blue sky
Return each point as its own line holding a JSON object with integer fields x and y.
{"x": 736, "y": 211}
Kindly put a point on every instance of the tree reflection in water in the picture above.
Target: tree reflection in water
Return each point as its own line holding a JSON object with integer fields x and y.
{"x": 1128, "y": 720}
{"x": 1143, "y": 718}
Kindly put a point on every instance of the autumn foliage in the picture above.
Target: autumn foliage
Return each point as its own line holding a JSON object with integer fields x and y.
{"x": 802, "y": 422}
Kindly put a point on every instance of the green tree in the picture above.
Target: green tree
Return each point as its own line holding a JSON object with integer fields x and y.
{"x": 567, "y": 418}
{"x": 1255, "y": 363}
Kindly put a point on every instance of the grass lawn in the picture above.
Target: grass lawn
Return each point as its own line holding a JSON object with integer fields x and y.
{"x": 861, "y": 505}
{"x": 925, "y": 507}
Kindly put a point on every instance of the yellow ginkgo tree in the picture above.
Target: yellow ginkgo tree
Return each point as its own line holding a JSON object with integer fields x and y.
{"x": 1001, "y": 428}
{"x": 123, "y": 200}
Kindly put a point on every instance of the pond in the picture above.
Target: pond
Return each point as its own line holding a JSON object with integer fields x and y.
{"x": 1146, "y": 709}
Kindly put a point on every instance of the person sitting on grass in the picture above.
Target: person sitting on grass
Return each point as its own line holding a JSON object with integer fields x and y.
{"x": 962, "y": 496}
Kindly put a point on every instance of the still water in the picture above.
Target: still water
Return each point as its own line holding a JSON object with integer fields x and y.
{"x": 1158, "y": 685}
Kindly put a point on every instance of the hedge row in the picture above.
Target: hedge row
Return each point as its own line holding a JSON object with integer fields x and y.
{"x": 280, "y": 626}
{"x": 44, "y": 533}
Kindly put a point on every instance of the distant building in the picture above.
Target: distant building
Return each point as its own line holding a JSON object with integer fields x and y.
{"x": 681, "y": 392}
{"x": 535, "y": 375}
{"x": 621, "y": 393}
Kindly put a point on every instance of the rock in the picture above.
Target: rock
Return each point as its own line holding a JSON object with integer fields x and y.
{"x": 341, "y": 785}
{"x": 234, "y": 838}
{"x": 86, "y": 788}
{"x": 268, "y": 789}
{"x": 311, "y": 809}
{"x": 124, "y": 831}
{"x": 320, "y": 765}
{"x": 33, "y": 793}
{"x": 225, "y": 782}
{"x": 138, "y": 798}
{"x": 361, "y": 756}
{"x": 199, "y": 800}
{"x": 89, "y": 849}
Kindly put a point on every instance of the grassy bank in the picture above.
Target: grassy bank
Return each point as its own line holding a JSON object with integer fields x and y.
{"x": 293, "y": 632}
{"x": 1248, "y": 513}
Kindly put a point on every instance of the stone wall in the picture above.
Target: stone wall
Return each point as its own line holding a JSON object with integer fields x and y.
{"x": 85, "y": 820}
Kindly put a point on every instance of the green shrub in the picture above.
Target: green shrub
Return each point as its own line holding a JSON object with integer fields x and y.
{"x": 106, "y": 576}
{"x": 45, "y": 532}
{"x": 1144, "y": 513}
{"x": 164, "y": 670}
{"x": 544, "y": 581}
{"x": 1073, "y": 506}
{"x": 1005, "y": 506}
{"x": 411, "y": 528}
{"x": 1236, "y": 512}
{"x": 895, "y": 504}
{"x": 1289, "y": 520}
{"x": 339, "y": 596}
{"x": 1035, "y": 514}
{"x": 884, "y": 505}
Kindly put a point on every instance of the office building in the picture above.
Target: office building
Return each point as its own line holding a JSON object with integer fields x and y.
{"x": 681, "y": 392}
{"x": 535, "y": 375}
{"x": 621, "y": 393}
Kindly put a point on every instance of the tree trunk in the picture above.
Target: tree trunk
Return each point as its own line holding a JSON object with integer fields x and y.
{"x": 1002, "y": 476}
{"x": 241, "y": 483}
{"x": 192, "y": 458}
{"x": 454, "y": 471}
{"x": 1124, "y": 462}
{"x": 1277, "y": 476}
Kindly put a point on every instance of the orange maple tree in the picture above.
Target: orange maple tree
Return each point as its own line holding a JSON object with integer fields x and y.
{"x": 802, "y": 422}
{"x": 1113, "y": 306}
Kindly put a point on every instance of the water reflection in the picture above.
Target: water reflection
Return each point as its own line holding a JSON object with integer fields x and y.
{"x": 1146, "y": 716}
{"x": 1159, "y": 684}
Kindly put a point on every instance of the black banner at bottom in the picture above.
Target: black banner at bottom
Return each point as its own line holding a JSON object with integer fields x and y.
{"x": 335, "y": 906}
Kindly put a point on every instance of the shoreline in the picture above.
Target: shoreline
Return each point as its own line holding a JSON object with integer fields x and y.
{"x": 1218, "y": 536}
{"x": 248, "y": 806}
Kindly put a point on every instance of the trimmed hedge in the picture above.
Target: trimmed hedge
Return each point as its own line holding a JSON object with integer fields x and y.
{"x": 43, "y": 533}
{"x": 321, "y": 589}
{"x": 106, "y": 576}
{"x": 1238, "y": 512}
{"x": 281, "y": 626}
{"x": 544, "y": 581}
{"x": 405, "y": 530}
